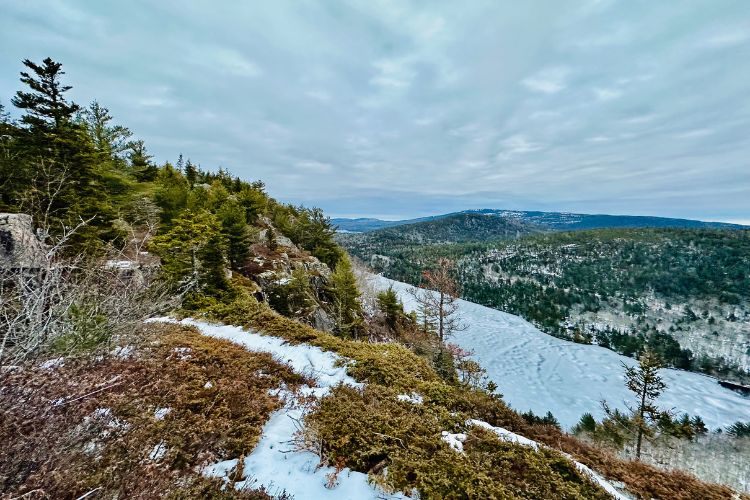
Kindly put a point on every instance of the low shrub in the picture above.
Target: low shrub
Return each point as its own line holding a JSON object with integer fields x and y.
{"x": 93, "y": 424}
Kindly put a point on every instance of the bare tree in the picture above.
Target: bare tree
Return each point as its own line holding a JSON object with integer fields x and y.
{"x": 74, "y": 301}
{"x": 437, "y": 301}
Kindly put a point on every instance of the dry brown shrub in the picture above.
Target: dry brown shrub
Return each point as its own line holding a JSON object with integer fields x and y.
{"x": 641, "y": 479}
{"x": 90, "y": 424}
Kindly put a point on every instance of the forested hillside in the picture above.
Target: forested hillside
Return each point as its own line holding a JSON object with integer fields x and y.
{"x": 457, "y": 228}
{"x": 683, "y": 292}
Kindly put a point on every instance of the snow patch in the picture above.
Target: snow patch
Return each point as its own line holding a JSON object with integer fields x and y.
{"x": 455, "y": 441}
{"x": 53, "y": 363}
{"x": 120, "y": 264}
{"x": 123, "y": 352}
{"x": 505, "y": 434}
{"x": 412, "y": 398}
{"x": 274, "y": 463}
{"x": 161, "y": 413}
{"x": 158, "y": 451}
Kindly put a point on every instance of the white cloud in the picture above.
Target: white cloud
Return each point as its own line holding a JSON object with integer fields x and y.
{"x": 318, "y": 95}
{"x": 694, "y": 134}
{"x": 640, "y": 119}
{"x": 232, "y": 61}
{"x": 548, "y": 81}
{"x": 606, "y": 94}
{"x": 314, "y": 166}
{"x": 599, "y": 138}
{"x": 394, "y": 73}
{"x": 728, "y": 38}
{"x": 516, "y": 145}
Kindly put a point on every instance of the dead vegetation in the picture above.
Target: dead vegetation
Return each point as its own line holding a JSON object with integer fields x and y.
{"x": 137, "y": 423}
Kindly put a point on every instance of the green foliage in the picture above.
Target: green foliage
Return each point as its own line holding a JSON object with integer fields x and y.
{"x": 235, "y": 230}
{"x": 587, "y": 424}
{"x": 294, "y": 298}
{"x": 547, "y": 419}
{"x": 87, "y": 331}
{"x": 171, "y": 193}
{"x": 371, "y": 429}
{"x": 391, "y": 307}
{"x": 310, "y": 229}
{"x": 192, "y": 252}
{"x": 347, "y": 312}
{"x": 739, "y": 429}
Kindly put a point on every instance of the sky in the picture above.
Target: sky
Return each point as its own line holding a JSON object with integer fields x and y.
{"x": 397, "y": 109}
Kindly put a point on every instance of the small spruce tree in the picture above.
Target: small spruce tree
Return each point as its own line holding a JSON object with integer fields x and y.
{"x": 646, "y": 383}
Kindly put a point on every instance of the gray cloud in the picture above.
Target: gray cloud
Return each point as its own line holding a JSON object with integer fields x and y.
{"x": 400, "y": 109}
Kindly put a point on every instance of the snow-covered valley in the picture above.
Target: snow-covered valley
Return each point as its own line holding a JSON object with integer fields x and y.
{"x": 535, "y": 371}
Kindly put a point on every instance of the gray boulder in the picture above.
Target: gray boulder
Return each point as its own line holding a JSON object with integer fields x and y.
{"x": 20, "y": 248}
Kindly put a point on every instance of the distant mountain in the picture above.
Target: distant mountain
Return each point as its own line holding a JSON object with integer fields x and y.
{"x": 556, "y": 221}
{"x": 365, "y": 224}
{"x": 452, "y": 228}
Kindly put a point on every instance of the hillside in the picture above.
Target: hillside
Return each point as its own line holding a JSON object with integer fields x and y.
{"x": 617, "y": 288}
{"x": 557, "y": 221}
{"x": 456, "y": 228}
{"x": 173, "y": 331}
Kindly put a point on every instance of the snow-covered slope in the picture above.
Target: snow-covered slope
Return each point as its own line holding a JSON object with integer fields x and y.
{"x": 538, "y": 372}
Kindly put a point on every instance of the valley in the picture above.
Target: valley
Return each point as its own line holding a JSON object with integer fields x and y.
{"x": 618, "y": 288}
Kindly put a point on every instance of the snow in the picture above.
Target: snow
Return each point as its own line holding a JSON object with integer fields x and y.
{"x": 535, "y": 371}
{"x": 123, "y": 352}
{"x": 456, "y": 442}
{"x": 412, "y": 398}
{"x": 158, "y": 451}
{"x": 161, "y": 413}
{"x": 120, "y": 264}
{"x": 274, "y": 463}
{"x": 53, "y": 363}
{"x": 505, "y": 434}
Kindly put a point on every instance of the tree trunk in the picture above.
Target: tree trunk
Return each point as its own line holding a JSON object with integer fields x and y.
{"x": 640, "y": 423}
{"x": 441, "y": 314}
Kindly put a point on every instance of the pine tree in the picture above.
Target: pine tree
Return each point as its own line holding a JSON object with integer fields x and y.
{"x": 140, "y": 162}
{"x": 111, "y": 141}
{"x": 58, "y": 161}
{"x": 11, "y": 183}
{"x": 390, "y": 306}
{"x": 646, "y": 383}
{"x": 235, "y": 230}
{"x": 345, "y": 297}
{"x": 172, "y": 192}
{"x": 45, "y": 105}
{"x": 192, "y": 252}
{"x": 191, "y": 173}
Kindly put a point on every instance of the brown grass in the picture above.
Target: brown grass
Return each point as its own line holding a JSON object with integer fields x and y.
{"x": 90, "y": 424}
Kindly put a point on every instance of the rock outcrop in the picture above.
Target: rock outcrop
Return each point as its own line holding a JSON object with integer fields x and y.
{"x": 20, "y": 248}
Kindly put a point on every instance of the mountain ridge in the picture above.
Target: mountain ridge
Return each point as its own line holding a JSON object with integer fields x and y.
{"x": 555, "y": 221}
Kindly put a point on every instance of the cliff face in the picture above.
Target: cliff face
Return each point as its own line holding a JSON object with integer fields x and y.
{"x": 19, "y": 245}
{"x": 276, "y": 264}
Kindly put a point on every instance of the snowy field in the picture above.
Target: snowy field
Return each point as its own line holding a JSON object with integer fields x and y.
{"x": 538, "y": 372}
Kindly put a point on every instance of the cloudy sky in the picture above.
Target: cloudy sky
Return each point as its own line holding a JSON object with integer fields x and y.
{"x": 398, "y": 109}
